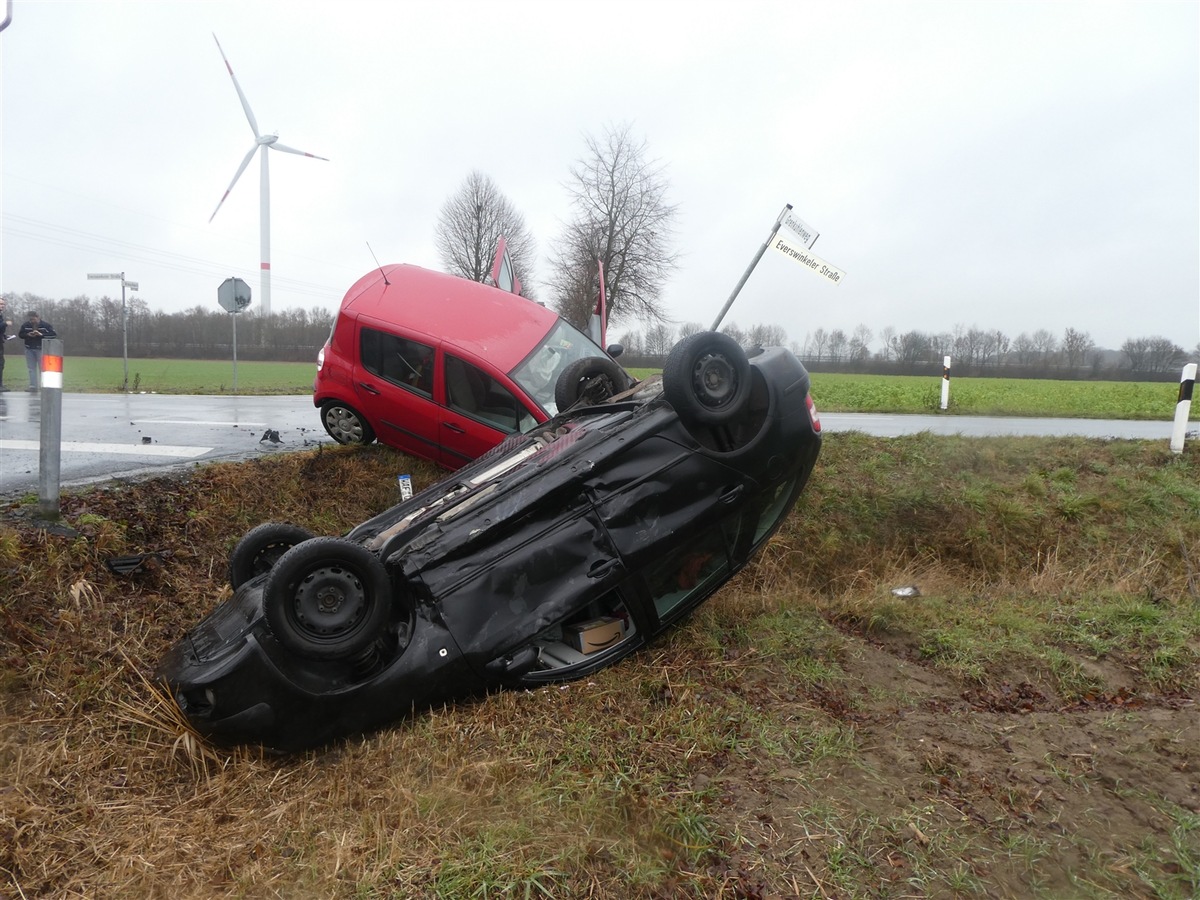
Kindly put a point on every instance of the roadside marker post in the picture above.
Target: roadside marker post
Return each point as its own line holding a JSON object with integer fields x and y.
{"x": 50, "y": 449}
{"x": 945, "y": 382}
{"x": 1187, "y": 382}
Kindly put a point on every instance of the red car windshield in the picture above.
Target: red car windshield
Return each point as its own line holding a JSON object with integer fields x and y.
{"x": 538, "y": 372}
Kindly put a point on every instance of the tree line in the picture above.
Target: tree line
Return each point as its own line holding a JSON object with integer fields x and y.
{"x": 973, "y": 351}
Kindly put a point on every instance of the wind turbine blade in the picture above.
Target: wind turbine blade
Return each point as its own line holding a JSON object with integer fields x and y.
{"x": 278, "y": 146}
{"x": 237, "y": 175}
{"x": 241, "y": 96}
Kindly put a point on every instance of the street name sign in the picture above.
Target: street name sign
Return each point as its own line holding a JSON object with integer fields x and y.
{"x": 802, "y": 232}
{"x": 810, "y": 261}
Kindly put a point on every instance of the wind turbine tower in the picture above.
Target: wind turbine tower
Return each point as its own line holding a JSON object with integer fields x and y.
{"x": 262, "y": 143}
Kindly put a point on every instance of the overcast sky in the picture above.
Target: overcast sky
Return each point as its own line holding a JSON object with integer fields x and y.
{"x": 1006, "y": 165}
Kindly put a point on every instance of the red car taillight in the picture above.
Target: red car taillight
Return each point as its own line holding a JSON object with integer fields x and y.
{"x": 321, "y": 357}
{"x": 812, "y": 413}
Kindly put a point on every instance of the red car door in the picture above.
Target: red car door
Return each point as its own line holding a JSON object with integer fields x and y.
{"x": 394, "y": 381}
{"x": 478, "y": 411}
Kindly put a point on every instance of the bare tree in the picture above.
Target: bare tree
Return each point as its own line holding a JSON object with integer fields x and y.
{"x": 838, "y": 342}
{"x": 732, "y": 329}
{"x": 887, "y": 336}
{"x": 469, "y": 226}
{"x": 659, "y": 339}
{"x": 621, "y": 218}
{"x": 767, "y": 335}
{"x": 1153, "y": 354}
{"x": 816, "y": 343}
{"x": 687, "y": 329}
{"x": 860, "y": 344}
{"x": 632, "y": 342}
{"x": 913, "y": 346}
{"x": 1076, "y": 345}
{"x": 1045, "y": 345}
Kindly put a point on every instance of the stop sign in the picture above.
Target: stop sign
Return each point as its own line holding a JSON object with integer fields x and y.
{"x": 233, "y": 295}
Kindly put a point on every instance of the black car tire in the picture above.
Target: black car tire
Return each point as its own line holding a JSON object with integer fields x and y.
{"x": 327, "y": 598}
{"x": 707, "y": 378}
{"x": 594, "y": 379}
{"x": 260, "y": 548}
{"x": 345, "y": 424}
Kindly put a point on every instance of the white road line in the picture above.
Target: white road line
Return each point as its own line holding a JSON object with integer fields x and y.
{"x": 196, "y": 422}
{"x": 121, "y": 449}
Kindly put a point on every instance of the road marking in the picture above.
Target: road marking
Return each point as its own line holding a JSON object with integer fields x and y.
{"x": 121, "y": 449}
{"x": 195, "y": 422}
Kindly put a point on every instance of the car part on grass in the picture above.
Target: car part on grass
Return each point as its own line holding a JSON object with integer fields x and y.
{"x": 136, "y": 562}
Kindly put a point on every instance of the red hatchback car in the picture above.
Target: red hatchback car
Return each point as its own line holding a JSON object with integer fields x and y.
{"x": 442, "y": 367}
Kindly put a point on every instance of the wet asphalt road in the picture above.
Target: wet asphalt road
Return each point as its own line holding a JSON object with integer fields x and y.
{"x": 114, "y": 435}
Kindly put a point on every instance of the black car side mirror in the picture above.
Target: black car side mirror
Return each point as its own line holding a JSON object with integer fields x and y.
{"x": 615, "y": 350}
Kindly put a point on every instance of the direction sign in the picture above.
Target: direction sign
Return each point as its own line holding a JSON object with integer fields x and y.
{"x": 803, "y": 233}
{"x": 810, "y": 261}
{"x": 233, "y": 295}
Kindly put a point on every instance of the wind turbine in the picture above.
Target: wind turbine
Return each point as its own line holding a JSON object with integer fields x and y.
{"x": 262, "y": 143}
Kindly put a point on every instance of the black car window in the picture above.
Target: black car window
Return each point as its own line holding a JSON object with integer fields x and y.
{"x": 773, "y": 504}
{"x": 688, "y": 571}
{"x": 475, "y": 393}
{"x": 406, "y": 363}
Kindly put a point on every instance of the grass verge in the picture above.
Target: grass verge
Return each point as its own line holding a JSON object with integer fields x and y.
{"x": 1021, "y": 722}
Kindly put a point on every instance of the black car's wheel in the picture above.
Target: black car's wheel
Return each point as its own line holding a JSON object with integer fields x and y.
{"x": 260, "y": 548}
{"x": 707, "y": 378}
{"x": 345, "y": 424}
{"x": 327, "y": 598}
{"x": 594, "y": 379}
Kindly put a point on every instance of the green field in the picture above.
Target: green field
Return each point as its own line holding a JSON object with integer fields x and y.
{"x": 832, "y": 392}
{"x": 98, "y": 374}
{"x": 996, "y": 396}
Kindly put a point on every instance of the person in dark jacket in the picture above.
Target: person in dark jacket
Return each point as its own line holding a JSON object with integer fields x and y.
{"x": 4, "y": 338}
{"x": 33, "y": 330}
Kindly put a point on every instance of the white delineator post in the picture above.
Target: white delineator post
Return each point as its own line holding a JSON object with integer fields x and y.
{"x": 50, "y": 448}
{"x": 945, "y": 382}
{"x": 1187, "y": 381}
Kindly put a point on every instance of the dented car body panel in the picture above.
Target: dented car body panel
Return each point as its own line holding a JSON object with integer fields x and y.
{"x": 559, "y": 552}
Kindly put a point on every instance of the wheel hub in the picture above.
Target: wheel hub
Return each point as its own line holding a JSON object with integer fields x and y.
{"x": 713, "y": 378}
{"x": 329, "y": 600}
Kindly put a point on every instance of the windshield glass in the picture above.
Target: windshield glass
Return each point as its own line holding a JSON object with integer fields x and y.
{"x": 539, "y": 372}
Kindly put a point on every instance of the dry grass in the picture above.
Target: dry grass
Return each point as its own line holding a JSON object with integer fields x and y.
{"x": 717, "y": 763}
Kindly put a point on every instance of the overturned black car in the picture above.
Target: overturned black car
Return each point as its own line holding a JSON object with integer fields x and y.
{"x": 557, "y": 553}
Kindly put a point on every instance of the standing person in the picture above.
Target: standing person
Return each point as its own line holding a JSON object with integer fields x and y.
{"x": 5, "y": 337}
{"x": 33, "y": 329}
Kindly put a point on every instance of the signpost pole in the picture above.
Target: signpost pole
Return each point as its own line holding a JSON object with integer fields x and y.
{"x": 945, "y": 382}
{"x": 133, "y": 285}
{"x": 754, "y": 262}
{"x": 233, "y": 316}
{"x": 1187, "y": 382}
{"x": 234, "y": 295}
{"x": 50, "y": 446}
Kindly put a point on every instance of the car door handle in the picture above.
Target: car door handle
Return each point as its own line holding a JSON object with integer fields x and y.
{"x": 455, "y": 428}
{"x": 368, "y": 388}
{"x": 602, "y": 567}
{"x": 732, "y": 494}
